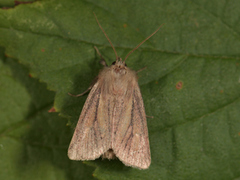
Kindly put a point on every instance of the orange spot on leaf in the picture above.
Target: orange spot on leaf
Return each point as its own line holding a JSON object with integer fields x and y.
{"x": 43, "y": 50}
{"x": 52, "y": 110}
{"x": 124, "y": 25}
{"x": 221, "y": 91}
{"x": 179, "y": 85}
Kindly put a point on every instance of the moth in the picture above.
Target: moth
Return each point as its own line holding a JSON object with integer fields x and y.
{"x": 113, "y": 120}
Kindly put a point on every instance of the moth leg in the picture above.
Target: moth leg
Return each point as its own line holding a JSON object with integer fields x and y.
{"x": 102, "y": 61}
{"x": 88, "y": 89}
{"x": 141, "y": 69}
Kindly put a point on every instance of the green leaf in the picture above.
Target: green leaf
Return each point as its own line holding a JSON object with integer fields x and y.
{"x": 191, "y": 85}
{"x": 33, "y": 142}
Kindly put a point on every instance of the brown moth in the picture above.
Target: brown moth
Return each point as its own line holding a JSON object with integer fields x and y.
{"x": 113, "y": 120}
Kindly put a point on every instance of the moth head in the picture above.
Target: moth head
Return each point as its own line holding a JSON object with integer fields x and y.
{"x": 119, "y": 67}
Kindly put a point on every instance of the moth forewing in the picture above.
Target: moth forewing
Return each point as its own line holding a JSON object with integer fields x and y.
{"x": 92, "y": 134}
{"x": 130, "y": 141}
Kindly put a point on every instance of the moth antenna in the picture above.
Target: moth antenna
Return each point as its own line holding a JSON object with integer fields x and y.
{"x": 106, "y": 36}
{"x": 142, "y": 43}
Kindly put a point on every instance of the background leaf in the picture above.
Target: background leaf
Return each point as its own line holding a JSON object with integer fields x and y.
{"x": 33, "y": 142}
{"x": 191, "y": 84}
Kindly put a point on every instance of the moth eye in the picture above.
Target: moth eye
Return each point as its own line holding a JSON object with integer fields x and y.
{"x": 125, "y": 64}
{"x": 114, "y": 63}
